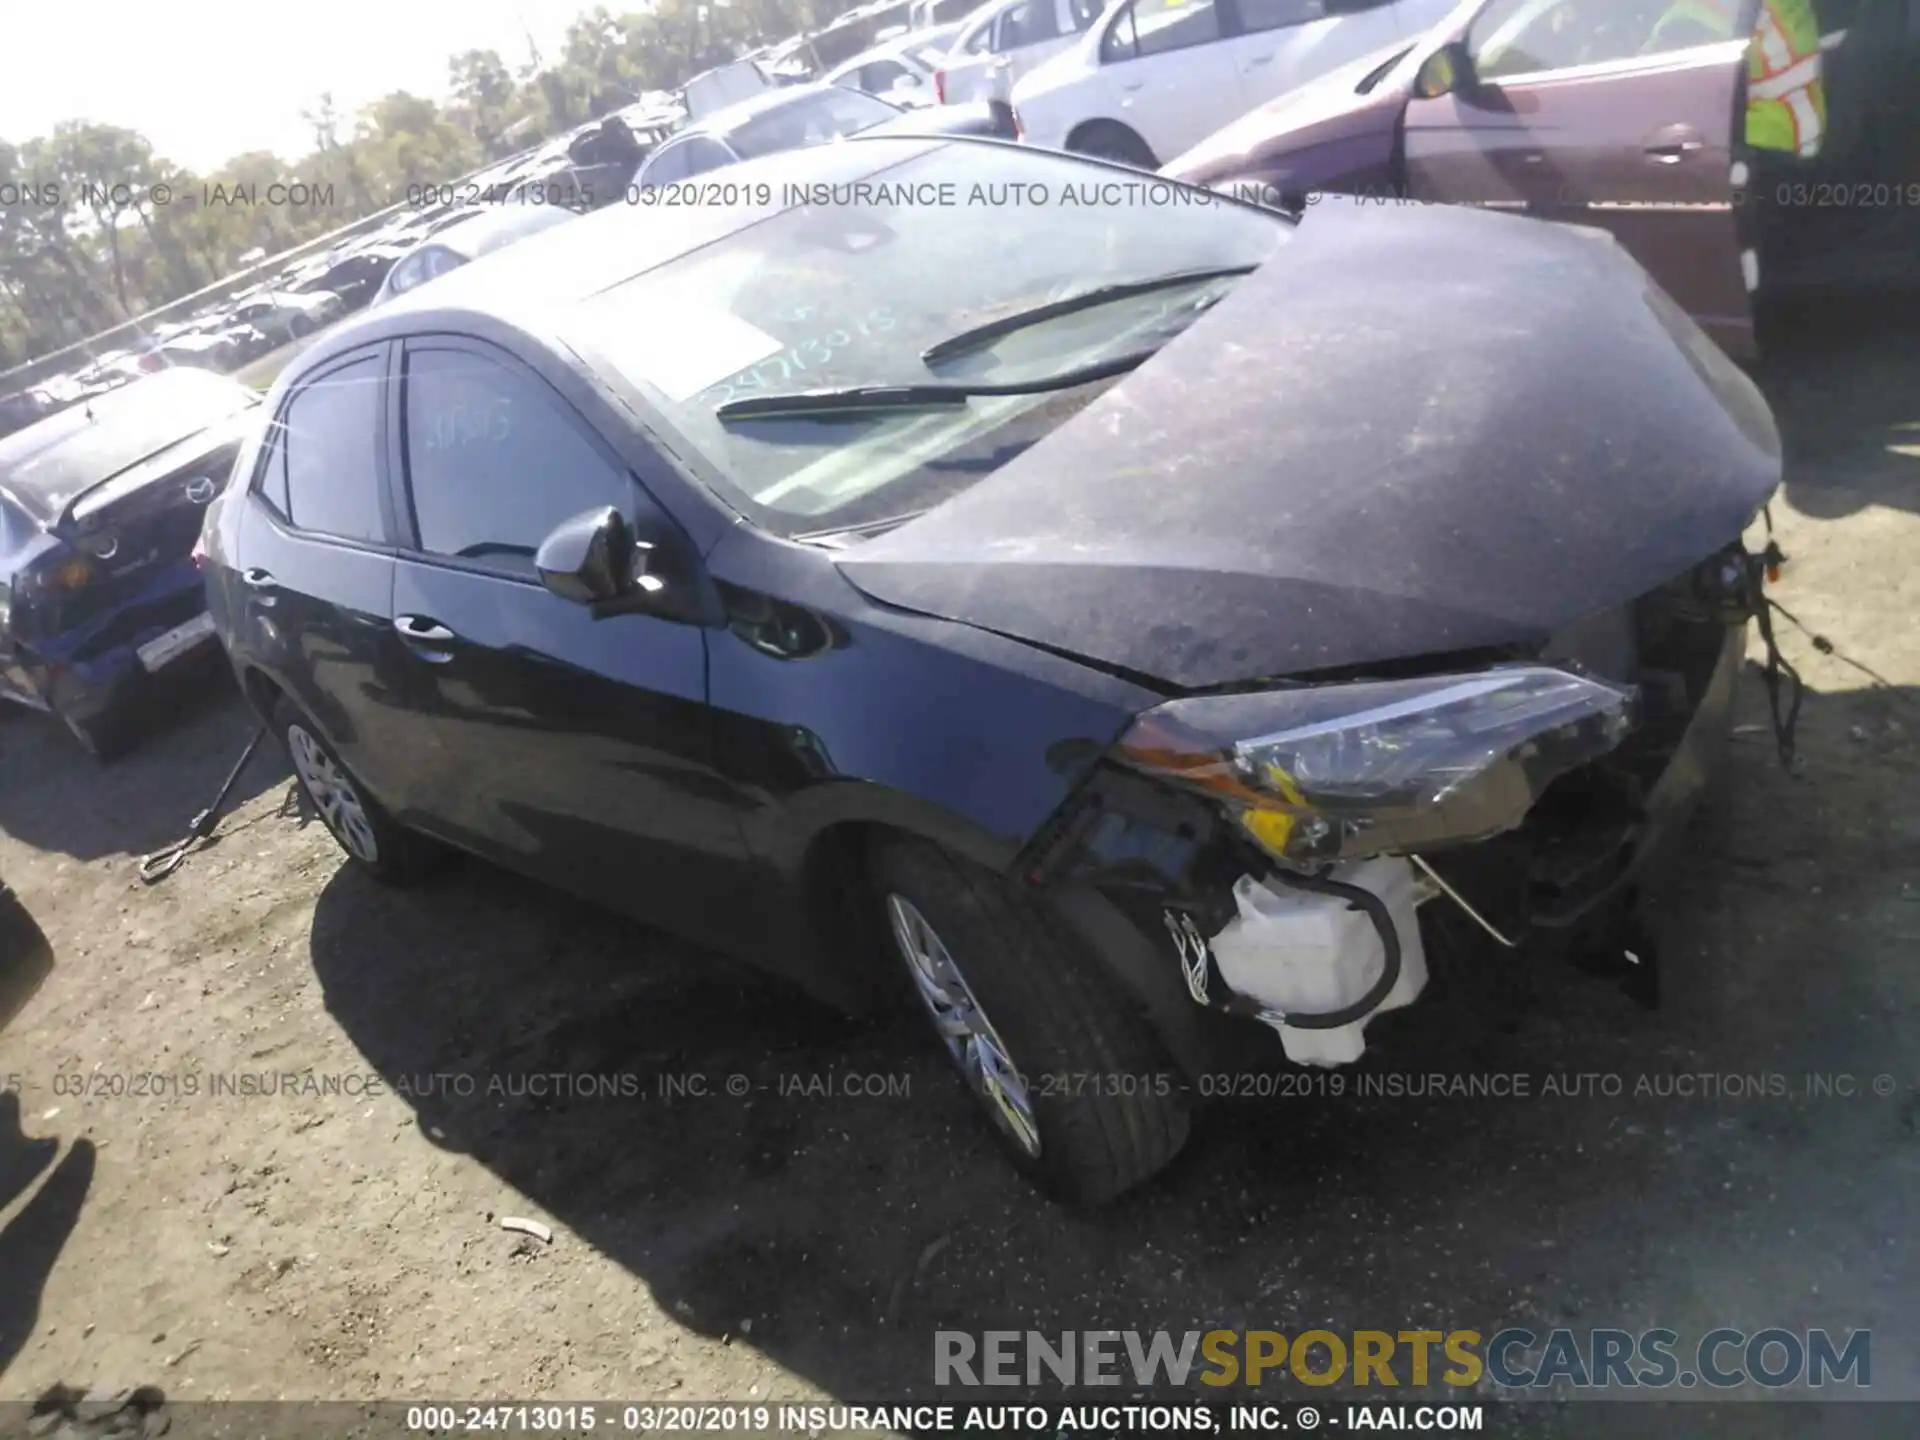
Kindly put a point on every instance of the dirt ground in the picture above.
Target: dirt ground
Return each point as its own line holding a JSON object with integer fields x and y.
{"x": 781, "y": 1236}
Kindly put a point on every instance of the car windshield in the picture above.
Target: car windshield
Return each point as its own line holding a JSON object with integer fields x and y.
{"x": 851, "y": 292}
{"x": 811, "y": 119}
{"x": 47, "y": 465}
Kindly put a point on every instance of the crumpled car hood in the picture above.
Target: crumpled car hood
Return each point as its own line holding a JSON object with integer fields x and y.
{"x": 1416, "y": 430}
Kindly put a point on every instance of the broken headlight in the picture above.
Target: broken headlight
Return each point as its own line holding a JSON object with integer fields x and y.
{"x": 1339, "y": 772}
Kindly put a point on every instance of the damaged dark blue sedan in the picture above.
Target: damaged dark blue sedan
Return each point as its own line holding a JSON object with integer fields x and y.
{"x": 1133, "y": 622}
{"x": 100, "y": 505}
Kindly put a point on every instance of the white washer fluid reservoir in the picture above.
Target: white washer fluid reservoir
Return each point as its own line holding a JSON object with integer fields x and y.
{"x": 1297, "y": 952}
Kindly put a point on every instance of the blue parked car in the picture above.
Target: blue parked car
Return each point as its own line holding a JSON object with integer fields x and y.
{"x": 100, "y": 512}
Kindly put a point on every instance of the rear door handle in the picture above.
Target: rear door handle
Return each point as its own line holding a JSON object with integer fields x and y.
{"x": 259, "y": 579}
{"x": 421, "y": 630}
{"x": 1266, "y": 59}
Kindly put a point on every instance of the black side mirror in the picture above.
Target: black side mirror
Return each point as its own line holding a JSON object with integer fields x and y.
{"x": 1448, "y": 71}
{"x": 594, "y": 558}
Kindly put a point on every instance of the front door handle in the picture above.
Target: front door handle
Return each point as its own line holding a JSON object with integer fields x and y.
{"x": 420, "y": 629}
{"x": 1674, "y": 144}
{"x": 1266, "y": 59}
{"x": 259, "y": 579}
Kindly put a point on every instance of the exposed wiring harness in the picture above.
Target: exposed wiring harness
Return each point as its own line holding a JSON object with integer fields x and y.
{"x": 1785, "y": 710}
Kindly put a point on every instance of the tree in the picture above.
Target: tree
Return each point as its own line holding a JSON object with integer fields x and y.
{"x": 486, "y": 100}
{"x": 86, "y": 246}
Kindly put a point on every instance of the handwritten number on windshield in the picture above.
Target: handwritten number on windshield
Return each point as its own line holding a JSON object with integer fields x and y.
{"x": 797, "y": 363}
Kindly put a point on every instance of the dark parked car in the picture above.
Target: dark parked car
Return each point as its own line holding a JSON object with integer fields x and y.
{"x": 795, "y": 117}
{"x": 493, "y": 230}
{"x": 1103, "y": 629}
{"x": 22, "y": 408}
{"x": 356, "y": 277}
{"x": 100, "y": 508}
{"x": 1578, "y": 111}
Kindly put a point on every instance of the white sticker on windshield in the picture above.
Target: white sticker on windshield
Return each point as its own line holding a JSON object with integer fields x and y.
{"x": 682, "y": 349}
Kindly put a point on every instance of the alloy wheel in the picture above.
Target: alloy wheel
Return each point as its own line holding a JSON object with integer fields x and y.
{"x": 976, "y": 1047}
{"x": 333, "y": 795}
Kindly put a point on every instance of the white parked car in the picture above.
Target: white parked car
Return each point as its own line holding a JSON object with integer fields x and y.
{"x": 901, "y": 70}
{"x": 1154, "y": 77}
{"x": 1002, "y": 41}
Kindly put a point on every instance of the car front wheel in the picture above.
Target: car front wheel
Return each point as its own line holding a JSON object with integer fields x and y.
{"x": 1077, "y": 1088}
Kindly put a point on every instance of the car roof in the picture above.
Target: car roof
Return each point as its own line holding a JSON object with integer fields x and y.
{"x": 888, "y": 49}
{"x": 497, "y": 227}
{"x": 720, "y": 122}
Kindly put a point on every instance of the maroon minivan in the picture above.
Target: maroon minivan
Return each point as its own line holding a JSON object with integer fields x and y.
{"x": 1583, "y": 111}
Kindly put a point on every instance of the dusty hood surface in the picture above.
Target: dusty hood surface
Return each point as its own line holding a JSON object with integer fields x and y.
{"x": 1417, "y": 429}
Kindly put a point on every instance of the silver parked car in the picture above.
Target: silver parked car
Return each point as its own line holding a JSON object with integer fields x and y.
{"x": 901, "y": 69}
{"x": 1005, "y": 39}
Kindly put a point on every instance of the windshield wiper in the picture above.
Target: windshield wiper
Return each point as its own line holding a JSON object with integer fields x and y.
{"x": 855, "y": 400}
{"x": 1099, "y": 295}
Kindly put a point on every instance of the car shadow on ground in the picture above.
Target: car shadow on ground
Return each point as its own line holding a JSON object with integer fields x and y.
{"x": 751, "y": 1157}
{"x": 26, "y": 959}
{"x": 56, "y": 799}
{"x": 1844, "y": 384}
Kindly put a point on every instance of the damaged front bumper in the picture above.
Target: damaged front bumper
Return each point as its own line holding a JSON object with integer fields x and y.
{"x": 1194, "y": 911}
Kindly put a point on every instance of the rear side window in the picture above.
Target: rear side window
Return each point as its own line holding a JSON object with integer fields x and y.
{"x": 496, "y": 460}
{"x": 669, "y": 164}
{"x": 1155, "y": 27}
{"x": 329, "y": 445}
{"x": 701, "y": 155}
{"x": 1029, "y": 23}
{"x": 1279, "y": 14}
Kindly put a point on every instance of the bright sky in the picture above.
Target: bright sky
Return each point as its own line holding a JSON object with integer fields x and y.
{"x": 207, "y": 79}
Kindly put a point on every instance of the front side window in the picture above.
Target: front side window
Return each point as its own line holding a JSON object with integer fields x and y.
{"x": 809, "y": 120}
{"x": 1522, "y": 37}
{"x": 496, "y": 460}
{"x": 329, "y": 443}
{"x": 853, "y": 293}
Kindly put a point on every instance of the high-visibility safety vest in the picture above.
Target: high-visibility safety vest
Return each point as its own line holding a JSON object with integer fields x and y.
{"x": 1786, "y": 91}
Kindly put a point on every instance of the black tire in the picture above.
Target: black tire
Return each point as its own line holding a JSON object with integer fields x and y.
{"x": 1107, "y": 1103}
{"x": 1105, "y": 140}
{"x": 381, "y": 847}
{"x": 105, "y": 738}
{"x": 299, "y": 325}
